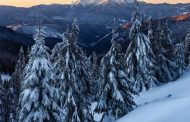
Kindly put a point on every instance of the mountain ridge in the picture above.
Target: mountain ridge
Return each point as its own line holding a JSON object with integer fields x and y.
{"x": 86, "y": 14}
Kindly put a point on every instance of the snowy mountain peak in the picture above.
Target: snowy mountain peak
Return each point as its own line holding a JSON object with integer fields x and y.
{"x": 88, "y": 2}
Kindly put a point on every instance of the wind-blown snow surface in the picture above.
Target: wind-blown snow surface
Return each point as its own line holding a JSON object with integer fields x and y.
{"x": 167, "y": 103}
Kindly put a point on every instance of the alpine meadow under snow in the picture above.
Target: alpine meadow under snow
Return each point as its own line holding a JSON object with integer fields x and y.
{"x": 147, "y": 82}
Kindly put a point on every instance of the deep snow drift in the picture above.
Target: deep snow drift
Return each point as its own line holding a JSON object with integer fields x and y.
{"x": 167, "y": 103}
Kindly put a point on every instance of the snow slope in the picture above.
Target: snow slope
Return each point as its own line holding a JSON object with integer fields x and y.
{"x": 167, "y": 103}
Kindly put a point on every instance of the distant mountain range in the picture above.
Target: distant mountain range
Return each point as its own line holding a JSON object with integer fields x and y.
{"x": 107, "y": 14}
{"x": 98, "y": 2}
{"x": 17, "y": 25}
{"x": 95, "y": 20}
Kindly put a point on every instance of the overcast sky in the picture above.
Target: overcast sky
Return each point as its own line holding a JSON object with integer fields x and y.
{"x": 27, "y": 3}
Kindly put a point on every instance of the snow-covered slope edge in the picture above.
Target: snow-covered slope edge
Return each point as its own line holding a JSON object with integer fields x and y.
{"x": 167, "y": 103}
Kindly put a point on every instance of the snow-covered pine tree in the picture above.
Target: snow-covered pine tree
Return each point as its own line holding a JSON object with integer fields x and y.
{"x": 39, "y": 96}
{"x": 139, "y": 56}
{"x": 180, "y": 58}
{"x": 166, "y": 41}
{"x": 95, "y": 74}
{"x": 58, "y": 47}
{"x": 187, "y": 49}
{"x": 165, "y": 54}
{"x": 15, "y": 87}
{"x": 70, "y": 63}
{"x": 8, "y": 101}
{"x": 2, "y": 101}
{"x": 12, "y": 101}
{"x": 18, "y": 73}
{"x": 59, "y": 64}
{"x": 115, "y": 90}
{"x": 156, "y": 40}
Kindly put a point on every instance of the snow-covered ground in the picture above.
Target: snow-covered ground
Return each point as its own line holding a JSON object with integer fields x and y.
{"x": 4, "y": 77}
{"x": 167, "y": 103}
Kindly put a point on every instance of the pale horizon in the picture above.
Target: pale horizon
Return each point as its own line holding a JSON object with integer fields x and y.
{"x": 28, "y": 3}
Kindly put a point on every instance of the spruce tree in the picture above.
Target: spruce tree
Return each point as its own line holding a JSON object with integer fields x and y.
{"x": 18, "y": 73}
{"x": 165, "y": 55}
{"x": 12, "y": 101}
{"x": 166, "y": 41}
{"x": 156, "y": 40}
{"x": 59, "y": 65}
{"x": 95, "y": 74}
{"x": 115, "y": 90}
{"x": 187, "y": 49}
{"x": 139, "y": 56}
{"x": 71, "y": 66}
{"x": 180, "y": 58}
{"x": 8, "y": 102}
{"x": 39, "y": 96}
{"x": 2, "y": 101}
{"x": 15, "y": 87}
{"x": 58, "y": 47}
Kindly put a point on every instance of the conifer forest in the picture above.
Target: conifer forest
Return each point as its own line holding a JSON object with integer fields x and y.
{"x": 133, "y": 70}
